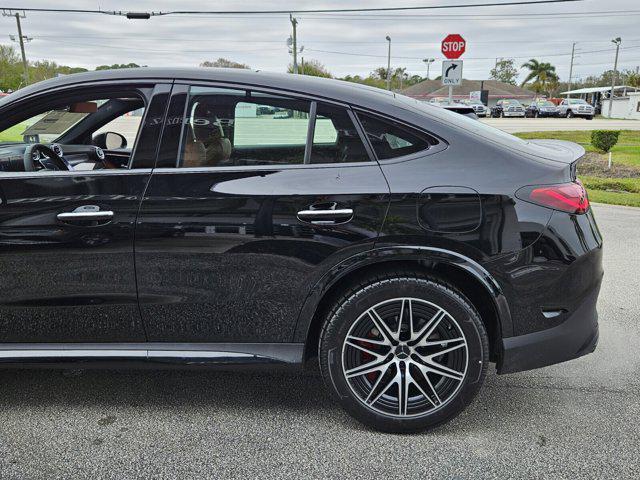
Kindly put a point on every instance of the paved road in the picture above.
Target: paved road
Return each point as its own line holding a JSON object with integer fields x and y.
{"x": 576, "y": 420}
{"x": 513, "y": 125}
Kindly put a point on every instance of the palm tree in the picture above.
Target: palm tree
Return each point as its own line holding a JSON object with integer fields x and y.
{"x": 543, "y": 74}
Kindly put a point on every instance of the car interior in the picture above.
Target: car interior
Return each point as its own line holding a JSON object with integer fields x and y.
{"x": 230, "y": 130}
{"x": 74, "y": 133}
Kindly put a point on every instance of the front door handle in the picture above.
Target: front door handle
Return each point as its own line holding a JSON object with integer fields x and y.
{"x": 326, "y": 217}
{"x": 90, "y": 213}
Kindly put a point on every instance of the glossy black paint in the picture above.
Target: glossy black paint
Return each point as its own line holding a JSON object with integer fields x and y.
{"x": 220, "y": 255}
{"x": 74, "y": 282}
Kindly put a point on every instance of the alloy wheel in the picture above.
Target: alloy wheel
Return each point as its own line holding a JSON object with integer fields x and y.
{"x": 405, "y": 357}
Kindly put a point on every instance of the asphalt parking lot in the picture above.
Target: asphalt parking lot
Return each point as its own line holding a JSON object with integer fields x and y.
{"x": 575, "y": 420}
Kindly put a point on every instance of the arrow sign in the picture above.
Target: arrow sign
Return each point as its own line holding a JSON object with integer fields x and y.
{"x": 452, "y": 72}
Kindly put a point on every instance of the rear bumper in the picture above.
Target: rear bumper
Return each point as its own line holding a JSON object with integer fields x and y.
{"x": 574, "y": 337}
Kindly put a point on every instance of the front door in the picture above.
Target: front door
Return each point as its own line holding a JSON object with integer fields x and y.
{"x": 67, "y": 213}
{"x": 255, "y": 195}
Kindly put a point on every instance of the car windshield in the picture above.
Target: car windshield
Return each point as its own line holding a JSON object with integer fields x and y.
{"x": 510, "y": 102}
{"x": 577, "y": 101}
{"x": 546, "y": 104}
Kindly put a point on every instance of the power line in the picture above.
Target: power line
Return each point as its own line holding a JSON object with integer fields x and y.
{"x": 467, "y": 58}
{"x": 600, "y": 13}
{"x": 280, "y": 12}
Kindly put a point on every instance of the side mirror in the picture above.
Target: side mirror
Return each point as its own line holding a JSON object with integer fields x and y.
{"x": 110, "y": 141}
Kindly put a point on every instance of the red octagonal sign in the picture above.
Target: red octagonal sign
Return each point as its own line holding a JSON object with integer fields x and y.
{"x": 453, "y": 46}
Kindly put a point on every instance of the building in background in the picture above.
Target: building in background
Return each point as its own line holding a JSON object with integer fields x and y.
{"x": 626, "y": 100}
{"x": 429, "y": 89}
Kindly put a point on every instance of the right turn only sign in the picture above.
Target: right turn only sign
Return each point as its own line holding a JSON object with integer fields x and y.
{"x": 452, "y": 72}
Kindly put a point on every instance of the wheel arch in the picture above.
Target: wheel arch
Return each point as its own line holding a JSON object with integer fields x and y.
{"x": 465, "y": 274}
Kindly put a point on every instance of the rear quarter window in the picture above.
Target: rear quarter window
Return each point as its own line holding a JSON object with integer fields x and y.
{"x": 390, "y": 139}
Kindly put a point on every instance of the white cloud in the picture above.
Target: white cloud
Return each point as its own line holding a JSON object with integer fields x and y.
{"x": 91, "y": 40}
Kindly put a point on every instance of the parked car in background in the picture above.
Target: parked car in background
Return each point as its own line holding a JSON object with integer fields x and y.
{"x": 576, "y": 107}
{"x": 455, "y": 106}
{"x": 396, "y": 246}
{"x": 507, "y": 108}
{"x": 541, "y": 108}
{"x": 478, "y": 107}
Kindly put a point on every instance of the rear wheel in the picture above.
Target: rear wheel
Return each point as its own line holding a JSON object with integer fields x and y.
{"x": 403, "y": 353}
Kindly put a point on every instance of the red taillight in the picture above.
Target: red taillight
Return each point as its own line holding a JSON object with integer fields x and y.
{"x": 567, "y": 197}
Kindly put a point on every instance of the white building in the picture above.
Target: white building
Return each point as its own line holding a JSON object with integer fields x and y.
{"x": 626, "y": 100}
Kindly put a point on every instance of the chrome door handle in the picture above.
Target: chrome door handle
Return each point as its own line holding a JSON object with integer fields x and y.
{"x": 85, "y": 213}
{"x": 326, "y": 217}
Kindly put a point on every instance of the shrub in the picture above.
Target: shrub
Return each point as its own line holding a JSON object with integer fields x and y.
{"x": 604, "y": 140}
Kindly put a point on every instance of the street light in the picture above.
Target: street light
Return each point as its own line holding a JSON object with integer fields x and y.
{"x": 617, "y": 41}
{"x": 389, "y": 63}
{"x": 428, "y": 61}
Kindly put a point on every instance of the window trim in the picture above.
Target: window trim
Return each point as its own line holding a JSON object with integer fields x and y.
{"x": 311, "y": 130}
{"x": 181, "y": 84}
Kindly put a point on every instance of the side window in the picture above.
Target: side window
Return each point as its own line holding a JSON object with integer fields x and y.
{"x": 127, "y": 125}
{"x": 229, "y": 127}
{"x": 335, "y": 138}
{"x": 77, "y": 122}
{"x": 390, "y": 139}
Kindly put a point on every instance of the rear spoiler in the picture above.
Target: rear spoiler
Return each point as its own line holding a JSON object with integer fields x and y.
{"x": 561, "y": 151}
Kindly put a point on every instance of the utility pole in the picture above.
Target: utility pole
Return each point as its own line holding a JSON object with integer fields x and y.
{"x": 617, "y": 41}
{"x": 294, "y": 24}
{"x": 21, "y": 39}
{"x": 573, "y": 49}
{"x": 389, "y": 64}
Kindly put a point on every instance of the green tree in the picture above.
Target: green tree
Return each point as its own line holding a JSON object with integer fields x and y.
{"x": 10, "y": 68}
{"x": 116, "y": 66}
{"x": 543, "y": 75}
{"x": 312, "y": 68}
{"x": 505, "y": 71}
{"x": 223, "y": 63}
{"x": 632, "y": 78}
{"x": 400, "y": 79}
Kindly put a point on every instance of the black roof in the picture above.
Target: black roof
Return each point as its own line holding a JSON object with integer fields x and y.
{"x": 321, "y": 87}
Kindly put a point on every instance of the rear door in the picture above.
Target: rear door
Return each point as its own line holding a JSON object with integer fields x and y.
{"x": 255, "y": 194}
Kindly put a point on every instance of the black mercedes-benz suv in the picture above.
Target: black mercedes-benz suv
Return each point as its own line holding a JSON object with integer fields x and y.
{"x": 163, "y": 217}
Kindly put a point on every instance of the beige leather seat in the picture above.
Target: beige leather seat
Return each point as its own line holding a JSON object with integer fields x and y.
{"x": 205, "y": 143}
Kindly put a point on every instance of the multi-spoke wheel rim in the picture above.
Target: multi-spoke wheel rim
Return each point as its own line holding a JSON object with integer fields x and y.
{"x": 405, "y": 357}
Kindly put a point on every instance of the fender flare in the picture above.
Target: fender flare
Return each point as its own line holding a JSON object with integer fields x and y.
{"x": 400, "y": 253}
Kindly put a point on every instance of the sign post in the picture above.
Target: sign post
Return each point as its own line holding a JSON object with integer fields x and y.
{"x": 453, "y": 46}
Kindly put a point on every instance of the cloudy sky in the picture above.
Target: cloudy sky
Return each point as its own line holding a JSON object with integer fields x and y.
{"x": 345, "y": 43}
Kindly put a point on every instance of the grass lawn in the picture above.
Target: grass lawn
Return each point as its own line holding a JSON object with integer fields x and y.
{"x": 626, "y": 151}
{"x": 13, "y": 134}
{"x": 617, "y": 191}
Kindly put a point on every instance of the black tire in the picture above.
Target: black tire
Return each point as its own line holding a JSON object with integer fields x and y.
{"x": 536, "y": 115}
{"x": 570, "y": 114}
{"x": 502, "y": 114}
{"x": 422, "y": 290}
{"x": 590, "y": 117}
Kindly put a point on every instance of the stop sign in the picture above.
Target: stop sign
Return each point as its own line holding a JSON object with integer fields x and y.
{"x": 453, "y": 46}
